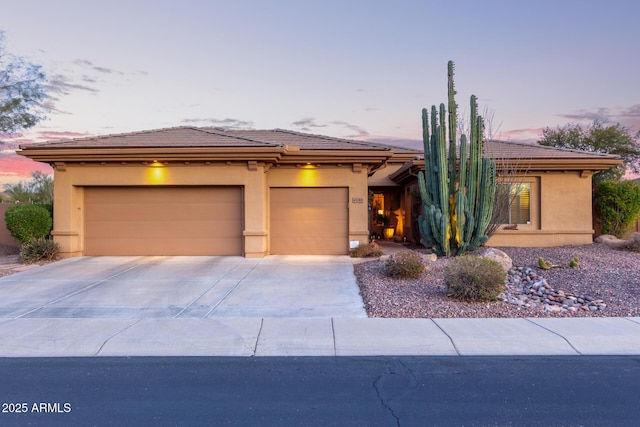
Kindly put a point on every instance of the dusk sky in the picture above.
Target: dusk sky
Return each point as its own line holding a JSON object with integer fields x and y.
{"x": 350, "y": 68}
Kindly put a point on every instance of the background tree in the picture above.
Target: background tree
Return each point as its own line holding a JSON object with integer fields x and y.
{"x": 21, "y": 92}
{"x": 598, "y": 138}
{"x": 39, "y": 190}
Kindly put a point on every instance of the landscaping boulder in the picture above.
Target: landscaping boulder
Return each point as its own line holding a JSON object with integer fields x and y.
{"x": 497, "y": 255}
{"x": 611, "y": 241}
{"x": 430, "y": 257}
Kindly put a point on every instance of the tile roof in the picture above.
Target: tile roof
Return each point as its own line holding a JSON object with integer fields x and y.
{"x": 308, "y": 141}
{"x": 169, "y": 137}
{"x": 521, "y": 150}
{"x": 211, "y": 137}
{"x": 186, "y": 136}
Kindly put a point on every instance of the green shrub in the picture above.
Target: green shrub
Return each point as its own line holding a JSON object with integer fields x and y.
{"x": 370, "y": 250}
{"x": 405, "y": 264}
{"x": 471, "y": 278}
{"x": 27, "y": 222}
{"x": 617, "y": 206}
{"x": 41, "y": 249}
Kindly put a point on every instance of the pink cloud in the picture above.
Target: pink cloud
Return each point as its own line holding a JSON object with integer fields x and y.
{"x": 14, "y": 168}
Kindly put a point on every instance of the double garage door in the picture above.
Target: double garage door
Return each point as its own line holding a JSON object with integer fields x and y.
{"x": 208, "y": 221}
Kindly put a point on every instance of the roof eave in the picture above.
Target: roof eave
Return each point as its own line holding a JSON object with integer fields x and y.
{"x": 154, "y": 153}
{"x": 282, "y": 154}
{"x": 409, "y": 171}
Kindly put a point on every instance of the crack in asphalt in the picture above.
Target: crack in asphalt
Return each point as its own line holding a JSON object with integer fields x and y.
{"x": 401, "y": 371}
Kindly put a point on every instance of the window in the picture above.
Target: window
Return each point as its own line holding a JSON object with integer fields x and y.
{"x": 513, "y": 202}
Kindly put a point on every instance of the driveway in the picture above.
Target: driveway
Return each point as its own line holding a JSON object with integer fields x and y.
{"x": 184, "y": 287}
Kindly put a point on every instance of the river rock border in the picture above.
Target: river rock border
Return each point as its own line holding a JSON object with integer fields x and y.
{"x": 526, "y": 288}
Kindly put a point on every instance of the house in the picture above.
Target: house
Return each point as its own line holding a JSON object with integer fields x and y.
{"x": 210, "y": 191}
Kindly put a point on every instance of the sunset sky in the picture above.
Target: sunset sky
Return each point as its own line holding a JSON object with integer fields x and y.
{"x": 349, "y": 68}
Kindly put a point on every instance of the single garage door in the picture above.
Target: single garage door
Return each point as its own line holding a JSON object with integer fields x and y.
{"x": 163, "y": 221}
{"x": 309, "y": 221}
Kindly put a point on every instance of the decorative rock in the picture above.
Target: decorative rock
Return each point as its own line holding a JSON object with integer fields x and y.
{"x": 430, "y": 257}
{"x": 526, "y": 289}
{"x": 497, "y": 255}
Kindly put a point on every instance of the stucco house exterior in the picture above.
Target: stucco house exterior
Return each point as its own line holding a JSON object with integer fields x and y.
{"x": 210, "y": 191}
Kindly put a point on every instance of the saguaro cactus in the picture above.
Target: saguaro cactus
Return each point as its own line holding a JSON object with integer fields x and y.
{"x": 457, "y": 191}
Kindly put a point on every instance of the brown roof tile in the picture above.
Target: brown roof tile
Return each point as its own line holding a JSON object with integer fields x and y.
{"x": 522, "y": 150}
{"x": 308, "y": 141}
{"x": 169, "y": 137}
{"x": 216, "y": 137}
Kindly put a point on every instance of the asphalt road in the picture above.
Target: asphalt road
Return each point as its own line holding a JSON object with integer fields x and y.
{"x": 336, "y": 391}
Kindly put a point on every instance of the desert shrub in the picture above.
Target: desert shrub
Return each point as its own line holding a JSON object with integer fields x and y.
{"x": 41, "y": 249}
{"x": 471, "y": 278}
{"x": 27, "y": 222}
{"x": 617, "y": 205}
{"x": 370, "y": 250}
{"x": 405, "y": 264}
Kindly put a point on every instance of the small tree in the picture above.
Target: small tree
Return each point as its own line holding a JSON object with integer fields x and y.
{"x": 617, "y": 205}
{"x": 511, "y": 172}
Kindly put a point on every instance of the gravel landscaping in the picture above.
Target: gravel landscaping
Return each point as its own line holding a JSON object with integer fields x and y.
{"x": 606, "y": 279}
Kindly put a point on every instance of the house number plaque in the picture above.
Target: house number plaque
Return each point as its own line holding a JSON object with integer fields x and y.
{"x": 357, "y": 200}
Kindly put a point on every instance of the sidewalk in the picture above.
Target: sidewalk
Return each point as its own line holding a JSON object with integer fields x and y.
{"x": 246, "y": 337}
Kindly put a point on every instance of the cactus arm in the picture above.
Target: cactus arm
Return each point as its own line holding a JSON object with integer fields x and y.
{"x": 453, "y": 122}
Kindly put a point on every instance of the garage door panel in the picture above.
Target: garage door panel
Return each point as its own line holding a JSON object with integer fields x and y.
{"x": 193, "y": 247}
{"x": 163, "y": 221}
{"x": 312, "y": 221}
{"x": 186, "y": 213}
{"x": 310, "y": 228}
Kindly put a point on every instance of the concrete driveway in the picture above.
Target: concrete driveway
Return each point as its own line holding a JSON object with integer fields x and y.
{"x": 184, "y": 287}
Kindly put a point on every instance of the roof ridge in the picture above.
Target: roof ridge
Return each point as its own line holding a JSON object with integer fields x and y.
{"x": 333, "y": 138}
{"x": 223, "y": 132}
